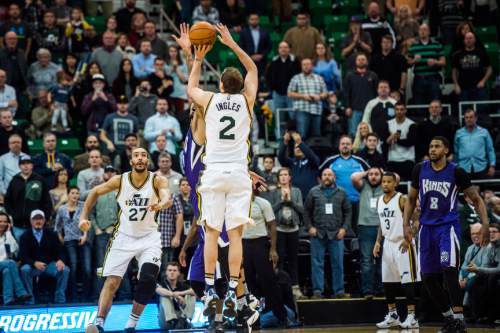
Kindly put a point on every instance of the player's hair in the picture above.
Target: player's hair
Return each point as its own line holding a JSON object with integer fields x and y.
{"x": 495, "y": 225}
{"x": 232, "y": 80}
{"x": 444, "y": 140}
{"x": 174, "y": 263}
{"x": 390, "y": 174}
{"x": 73, "y": 187}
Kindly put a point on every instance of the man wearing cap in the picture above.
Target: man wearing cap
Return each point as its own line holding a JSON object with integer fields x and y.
{"x": 97, "y": 104}
{"x": 117, "y": 125}
{"x": 81, "y": 161}
{"x": 9, "y": 162}
{"x": 27, "y": 191}
{"x": 41, "y": 253}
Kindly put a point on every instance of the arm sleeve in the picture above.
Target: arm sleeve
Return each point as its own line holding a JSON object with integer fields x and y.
{"x": 282, "y": 155}
{"x": 490, "y": 150}
{"x": 309, "y": 153}
{"x": 415, "y": 176}
{"x": 297, "y": 204}
{"x": 150, "y": 133}
{"x": 177, "y": 131}
{"x": 462, "y": 179}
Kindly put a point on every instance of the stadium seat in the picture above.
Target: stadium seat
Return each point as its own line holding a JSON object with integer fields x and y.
{"x": 336, "y": 23}
{"x": 350, "y": 7}
{"x": 98, "y": 22}
{"x": 487, "y": 34}
{"x": 35, "y": 146}
{"x": 266, "y": 23}
{"x": 69, "y": 146}
{"x": 492, "y": 50}
{"x": 275, "y": 38}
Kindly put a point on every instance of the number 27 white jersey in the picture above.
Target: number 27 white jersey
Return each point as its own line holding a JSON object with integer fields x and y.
{"x": 228, "y": 123}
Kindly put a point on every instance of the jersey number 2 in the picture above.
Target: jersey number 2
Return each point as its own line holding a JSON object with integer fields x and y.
{"x": 223, "y": 135}
{"x": 135, "y": 211}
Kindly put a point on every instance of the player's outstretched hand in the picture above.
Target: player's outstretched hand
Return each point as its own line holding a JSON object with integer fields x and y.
{"x": 84, "y": 225}
{"x": 225, "y": 36}
{"x": 200, "y": 51}
{"x": 258, "y": 183}
{"x": 183, "y": 40}
{"x": 376, "y": 249}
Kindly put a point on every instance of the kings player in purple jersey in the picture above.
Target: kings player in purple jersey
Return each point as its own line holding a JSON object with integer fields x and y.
{"x": 436, "y": 184}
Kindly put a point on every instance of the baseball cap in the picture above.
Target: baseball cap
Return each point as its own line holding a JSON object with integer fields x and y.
{"x": 37, "y": 212}
{"x": 109, "y": 168}
{"x": 122, "y": 99}
{"x": 96, "y": 77}
{"x": 25, "y": 159}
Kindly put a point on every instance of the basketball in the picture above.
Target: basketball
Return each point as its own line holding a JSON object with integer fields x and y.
{"x": 202, "y": 33}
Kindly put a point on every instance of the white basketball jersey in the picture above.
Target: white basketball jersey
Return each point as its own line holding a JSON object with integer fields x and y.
{"x": 228, "y": 122}
{"x": 134, "y": 217}
{"x": 391, "y": 218}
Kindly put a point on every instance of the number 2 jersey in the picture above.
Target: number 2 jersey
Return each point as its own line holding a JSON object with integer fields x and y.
{"x": 228, "y": 123}
{"x": 134, "y": 217}
{"x": 438, "y": 192}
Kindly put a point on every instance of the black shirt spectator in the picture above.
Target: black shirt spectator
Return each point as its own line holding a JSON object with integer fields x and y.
{"x": 48, "y": 250}
{"x": 370, "y": 153}
{"x": 124, "y": 16}
{"x": 281, "y": 70}
{"x": 18, "y": 26}
{"x": 50, "y": 36}
{"x": 390, "y": 65}
{"x": 7, "y": 129}
{"x": 162, "y": 85}
{"x": 377, "y": 26}
{"x": 247, "y": 41}
{"x": 14, "y": 62}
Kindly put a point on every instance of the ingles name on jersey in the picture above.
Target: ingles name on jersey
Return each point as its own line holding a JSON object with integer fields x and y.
{"x": 228, "y": 106}
{"x": 137, "y": 201}
{"x": 431, "y": 185}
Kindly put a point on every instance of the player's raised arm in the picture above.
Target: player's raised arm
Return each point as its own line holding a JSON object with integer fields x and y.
{"x": 252, "y": 78}
{"x": 111, "y": 185}
{"x": 198, "y": 95}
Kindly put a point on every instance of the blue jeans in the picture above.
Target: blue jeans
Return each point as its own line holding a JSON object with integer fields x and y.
{"x": 269, "y": 320}
{"x": 280, "y": 102}
{"x": 12, "y": 284}
{"x": 307, "y": 121}
{"x": 371, "y": 268}
{"x": 18, "y": 232}
{"x": 353, "y": 122}
{"x": 28, "y": 272}
{"x": 79, "y": 256}
{"x": 426, "y": 89}
{"x": 336, "y": 250}
{"x": 475, "y": 94}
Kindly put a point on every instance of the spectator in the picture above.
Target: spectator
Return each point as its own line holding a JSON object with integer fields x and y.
{"x": 326, "y": 67}
{"x": 81, "y": 161}
{"x": 344, "y": 165}
{"x": 462, "y": 29}
{"x": 402, "y": 137}
{"x": 368, "y": 184}
{"x": 360, "y": 86}
{"x": 380, "y": 110}
{"x": 178, "y": 71}
{"x": 75, "y": 243}
{"x": 59, "y": 96}
{"x": 41, "y": 253}
{"x": 7, "y": 129}
{"x": 476, "y": 254}
{"x": 376, "y": 26}
{"x": 50, "y": 36}
{"x": 42, "y": 74}
{"x": 8, "y": 99}
{"x": 171, "y": 224}
{"x": 390, "y": 66}
{"x": 205, "y": 12}
{"x": 14, "y": 62}
{"x": 435, "y": 125}
{"x": 108, "y": 57}
{"x": 307, "y": 90}
{"x": 124, "y": 15}
{"x": 59, "y": 192}
{"x": 232, "y": 15}
{"x": 427, "y": 58}
{"x": 177, "y": 300}
{"x": 484, "y": 290}
{"x": 50, "y": 160}
{"x": 406, "y": 28}
{"x": 162, "y": 123}
{"x": 125, "y": 83}
{"x": 303, "y": 38}
{"x": 416, "y": 6}
{"x": 91, "y": 177}
{"x": 158, "y": 47}
{"x": 303, "y": 165}
{"x": 9, "y": 162}
{"x": 85, "y": 85}
{"x": 494, "y": 204}
{"x": 474, "y": 151}
{"x": 278, "y": 76}
{"x": 123, "y": 45}
{"x": 362, "y": 132}
{"x": 41, "y": 115}
{"x": 451, "y": 14}
{"x": 117, "y": 125}
{"x": 144, "y": 61}
{"x": 327, "y": 217}
{"x": 122, "y": 163}
{"x": 370, "y": 152}
{"x": 111, "y": 24}
{"x": 356, "y": 41}
{"x": 143, "y": 104}
{"x": 161, "y": 146}
{"x": 288, "y": 208}
{"x": 187, "y": 206}
{"x": 62, "y": 12}
{"x": 13, "y": 288}
{"x": 165, "y": 170}
{"x": 137, "y": 34}
{"x": 267, "y": 172}
{"x": 16, "y": 24}
{"x": 78, "y": 33}
{"x": 162, "y": 85}
{"x": 256, "y": 42}
{"x": 471, "y": 69}
{"x": 97, "y": 104}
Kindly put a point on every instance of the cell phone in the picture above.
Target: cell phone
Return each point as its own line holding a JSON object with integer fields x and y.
{"x": 399, "y": 132}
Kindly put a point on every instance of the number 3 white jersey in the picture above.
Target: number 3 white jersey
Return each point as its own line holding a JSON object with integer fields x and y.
{"x": 134, "y": 218}
{"x": 228, "y": 123}
{"x": 391, "y": 218}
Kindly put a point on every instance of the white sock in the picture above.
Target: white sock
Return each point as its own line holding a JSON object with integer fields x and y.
{"x": 242, "y": 301}
{"x": 393, "y": 311}
{"x": 218, "y": 317}
{"x": 448, "y": 313}
{"x": 458, "y": 316}
{"x": 132, "y": 320}
{"x": 99, "y": 321}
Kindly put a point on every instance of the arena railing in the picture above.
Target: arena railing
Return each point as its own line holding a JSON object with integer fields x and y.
{"x": 474, "y": 104}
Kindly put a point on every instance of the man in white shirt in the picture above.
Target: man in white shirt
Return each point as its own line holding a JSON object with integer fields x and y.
{"x": 8, "y": 97}
{"x": 9, "y": 162}
{"x": 162, "y": 123}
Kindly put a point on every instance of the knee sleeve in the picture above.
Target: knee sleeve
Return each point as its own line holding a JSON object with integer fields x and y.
{"x": 450, "y": 277}
{"x": 409, "y": 289}
{"x": 391, "y": 290}
{"x": 436, "y": 291}
{"x": 147, "y": 283}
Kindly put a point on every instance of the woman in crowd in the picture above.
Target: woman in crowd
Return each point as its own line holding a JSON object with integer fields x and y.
{"x": 123, "y": 45}
{"x": 59, "y": 193}
{"x": 125, "y": 83}
{"x": 327, "y": 67}
{"x": 288, "y": 207}
{"x": 462, "y": 29}
{"x": 137, "y": 29}
{"x": 75, "y": 242}
{"x": 361, "y": 133}
{"x": 406, "y": 28}
{"x": 111, "y": 24}
{"x": 187, "y": 207}
{"x": 177, "y": 69}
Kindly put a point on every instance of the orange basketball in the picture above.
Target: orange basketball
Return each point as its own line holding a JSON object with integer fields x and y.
{"x": 202, "y": 33}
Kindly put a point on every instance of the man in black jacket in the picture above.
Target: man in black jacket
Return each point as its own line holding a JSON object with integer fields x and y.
{"x": 26, "y": 192}
{"x": 13, "y": 61}
{"x": 7, "y": 129}
{"x": 256, "y": 42}
{"x": 41, "y": 253}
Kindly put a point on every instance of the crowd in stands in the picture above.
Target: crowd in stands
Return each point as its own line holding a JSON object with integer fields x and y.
{"x": 341, "y": 84}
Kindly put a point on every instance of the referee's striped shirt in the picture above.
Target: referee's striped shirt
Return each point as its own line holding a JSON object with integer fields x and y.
{"x": 431, "y": 50}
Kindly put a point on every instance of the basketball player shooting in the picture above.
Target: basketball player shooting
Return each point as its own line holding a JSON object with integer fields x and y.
{"x": 225, "y": 186}
{"x": 436, "y": 183}
{"x": 140, "y": 195}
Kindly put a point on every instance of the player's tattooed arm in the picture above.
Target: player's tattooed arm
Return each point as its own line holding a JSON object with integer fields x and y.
{"x": 409, "y": 208}
{"x": 480, "y": 207}
{"x": 166, "y": 201}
